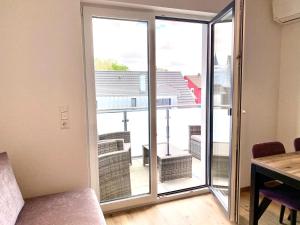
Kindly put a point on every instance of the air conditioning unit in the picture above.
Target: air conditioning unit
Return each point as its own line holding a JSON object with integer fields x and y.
{"x": 286, "y": 11}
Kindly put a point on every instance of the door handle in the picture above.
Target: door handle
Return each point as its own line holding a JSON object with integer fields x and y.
{"x": 229, "y": 112}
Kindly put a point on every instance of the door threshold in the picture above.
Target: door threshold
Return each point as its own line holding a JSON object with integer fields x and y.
{"x": 158, "y": 200}
{"x": 176, "y": 195}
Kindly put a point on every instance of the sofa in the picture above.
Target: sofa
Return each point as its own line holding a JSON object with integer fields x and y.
{"x": 79, "y": 207}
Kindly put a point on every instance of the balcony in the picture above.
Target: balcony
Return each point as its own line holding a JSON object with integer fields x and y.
{"x": 173, "y": 122}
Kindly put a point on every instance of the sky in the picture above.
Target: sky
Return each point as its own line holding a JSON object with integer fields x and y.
{"x": 223, "y": 40}
{"x": 178, "y": 44}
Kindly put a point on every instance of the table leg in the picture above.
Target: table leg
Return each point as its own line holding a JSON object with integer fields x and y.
{"x": 254, "y": 196}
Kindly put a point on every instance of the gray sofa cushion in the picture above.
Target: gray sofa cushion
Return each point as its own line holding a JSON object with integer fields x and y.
{"x": 69, "y": 208}
{"x": 11, "y": 200}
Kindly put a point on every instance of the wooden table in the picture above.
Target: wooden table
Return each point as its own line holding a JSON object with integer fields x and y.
{"x": 283, "y": 167}
{"x": 174, "y": 166}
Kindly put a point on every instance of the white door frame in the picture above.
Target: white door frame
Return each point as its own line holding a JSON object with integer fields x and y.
{"x": 113, "y": 12}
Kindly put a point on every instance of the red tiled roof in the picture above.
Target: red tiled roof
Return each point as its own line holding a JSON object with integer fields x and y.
{"x": 196, "y": 79}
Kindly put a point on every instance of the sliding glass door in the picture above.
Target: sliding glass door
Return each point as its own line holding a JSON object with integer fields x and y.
{"x": 147, "y": 100}
{"x": 158, "y": 123}
{"x": 120, "y": 68}
{"x": 122, "y": 95}
{"x": 179, "y": 91}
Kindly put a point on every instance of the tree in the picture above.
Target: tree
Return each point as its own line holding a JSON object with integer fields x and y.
{"x": 109, "y": 64}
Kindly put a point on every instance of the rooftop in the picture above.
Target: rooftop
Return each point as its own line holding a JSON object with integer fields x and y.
{"x": 196, "y": 79}
{"x": 134, "y": 83}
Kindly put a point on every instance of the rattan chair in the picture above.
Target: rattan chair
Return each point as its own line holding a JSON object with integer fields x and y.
{"x": 125, "y": 135}
{"x": 114, "y": 171}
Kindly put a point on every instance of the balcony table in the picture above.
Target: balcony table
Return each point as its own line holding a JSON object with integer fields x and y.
{"x": 282, "y": 167}
{"x": 178, "y": 164}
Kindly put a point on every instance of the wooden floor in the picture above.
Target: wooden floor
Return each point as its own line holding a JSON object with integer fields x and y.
{"x": 190, "y": 211}
{"x": 270, "y": 216}
{"x": 193, "y": 211}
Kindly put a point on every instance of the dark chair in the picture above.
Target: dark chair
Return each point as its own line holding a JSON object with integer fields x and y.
{"x": 297, "y": 144}
{"x": 280, "y": 193}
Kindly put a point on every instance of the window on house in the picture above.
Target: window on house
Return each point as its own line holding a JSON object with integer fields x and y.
{"x": 133, "y": 102}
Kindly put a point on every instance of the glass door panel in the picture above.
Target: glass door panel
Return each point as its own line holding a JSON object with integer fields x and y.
{"x": 179, "y": 53}
{"x": 122, "y": 94}
{"x": 221, "y": 104}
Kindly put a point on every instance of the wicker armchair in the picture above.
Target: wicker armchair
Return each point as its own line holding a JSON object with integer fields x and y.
{"x": 114, "y": 172}
{"x": 125, "y": 135}
{"x": 194, "y": 141}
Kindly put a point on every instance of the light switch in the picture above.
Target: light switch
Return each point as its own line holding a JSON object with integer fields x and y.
{"x": 64, "y": 117}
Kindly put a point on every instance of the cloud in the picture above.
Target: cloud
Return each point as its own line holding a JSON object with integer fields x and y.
{"x": 178, "y": 44}
{"x": 165, "y": 46}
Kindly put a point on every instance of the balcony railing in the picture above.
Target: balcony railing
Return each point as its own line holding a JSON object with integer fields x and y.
{"x": 125, "y": 111}
{"x": 172, "y": 123}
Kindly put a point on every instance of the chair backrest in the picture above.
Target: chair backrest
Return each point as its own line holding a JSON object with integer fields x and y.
{"x": 297, "y": 144}
{"x": 267, "y": 149}
{"x": 194, "y": 130}
{"x": 116, "y": 135}
{"x": 11, "y": 200}
{"x": 110, "y": 145}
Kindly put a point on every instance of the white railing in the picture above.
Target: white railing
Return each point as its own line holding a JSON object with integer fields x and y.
{"x": 172, "y": 124}
{"x": 136, "y": 121}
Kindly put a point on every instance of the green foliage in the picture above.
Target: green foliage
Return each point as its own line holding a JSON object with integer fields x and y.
{"x": 109, "y": 64}
{"x": 116, "y": 66}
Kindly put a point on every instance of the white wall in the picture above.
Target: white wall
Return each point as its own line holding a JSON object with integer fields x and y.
{"x": 260, "y": 80}
{"x": 41, "y": 69}
{"x": 289, "y": 92}
{"x": 195, "y": 5}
